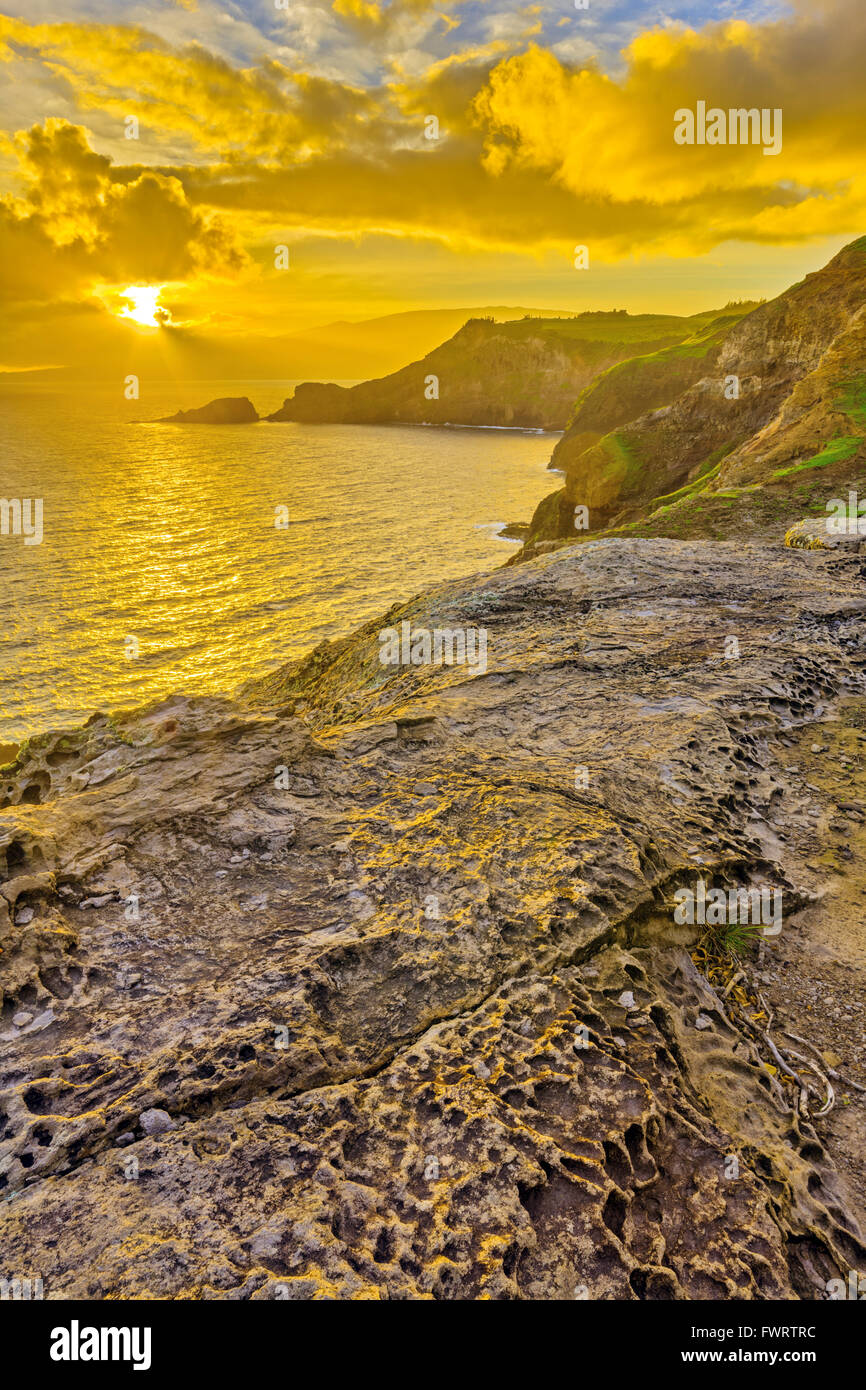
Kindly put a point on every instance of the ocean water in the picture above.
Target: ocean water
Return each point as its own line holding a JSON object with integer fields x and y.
{"x": 160, "y": 539}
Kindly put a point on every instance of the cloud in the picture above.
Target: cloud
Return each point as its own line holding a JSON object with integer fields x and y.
{"x": 611, "y": 141}
{"x": 538, "y": 151}
{"x": 77, "y": 225}
{"x": 594, "y": 152}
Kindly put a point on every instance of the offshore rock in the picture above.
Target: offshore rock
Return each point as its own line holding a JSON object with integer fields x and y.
{"x": 409, "y": 982}
{"x": 225, "y": 410}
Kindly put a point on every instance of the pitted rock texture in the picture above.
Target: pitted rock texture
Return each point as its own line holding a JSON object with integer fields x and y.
{"x": 812, "y": 533}
{"x": 410, "y": 992}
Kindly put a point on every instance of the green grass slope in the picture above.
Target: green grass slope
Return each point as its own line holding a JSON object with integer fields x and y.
{"x": 709, "y": 463}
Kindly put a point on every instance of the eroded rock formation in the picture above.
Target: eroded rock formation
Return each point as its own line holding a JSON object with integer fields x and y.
{"x": 410, "y": 996}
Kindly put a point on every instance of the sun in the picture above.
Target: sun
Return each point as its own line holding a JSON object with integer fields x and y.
{"x": 141, "y": 303}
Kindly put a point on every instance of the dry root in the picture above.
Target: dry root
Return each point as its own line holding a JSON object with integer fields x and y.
{"x": 743, "y": 999}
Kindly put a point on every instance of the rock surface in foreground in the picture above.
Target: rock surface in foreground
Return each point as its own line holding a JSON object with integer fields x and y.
{"x": 352, "y": 934}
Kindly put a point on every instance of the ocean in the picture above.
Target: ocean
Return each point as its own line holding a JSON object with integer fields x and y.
{"x": 161, "y": 568}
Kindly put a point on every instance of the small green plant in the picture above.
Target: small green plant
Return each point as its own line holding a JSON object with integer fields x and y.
{"x": 734, "y": 938}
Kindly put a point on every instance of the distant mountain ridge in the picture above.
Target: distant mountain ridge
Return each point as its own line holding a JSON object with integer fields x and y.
{"x": 337, "y": 351}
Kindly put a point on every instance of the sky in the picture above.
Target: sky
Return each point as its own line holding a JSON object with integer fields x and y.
{"x": 218, "y": 173}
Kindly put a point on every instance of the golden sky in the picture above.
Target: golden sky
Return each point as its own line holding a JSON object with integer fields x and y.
{"x": 305, "y": 124}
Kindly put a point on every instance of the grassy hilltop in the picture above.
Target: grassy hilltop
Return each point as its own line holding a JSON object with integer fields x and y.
{"x": 524, "y": 373}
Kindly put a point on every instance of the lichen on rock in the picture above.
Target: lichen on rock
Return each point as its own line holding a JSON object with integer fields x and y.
{"x": 409, "y": 990}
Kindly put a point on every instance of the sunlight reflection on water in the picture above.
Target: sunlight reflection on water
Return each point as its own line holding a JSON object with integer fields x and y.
{"x": 166, "y": 533}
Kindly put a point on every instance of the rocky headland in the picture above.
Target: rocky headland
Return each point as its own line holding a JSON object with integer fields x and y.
{"x": 523, "y": 374}
{"x": 367, "y": 982}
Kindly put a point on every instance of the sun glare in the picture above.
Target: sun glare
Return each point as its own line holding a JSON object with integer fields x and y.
{"x": 141, "y": 303}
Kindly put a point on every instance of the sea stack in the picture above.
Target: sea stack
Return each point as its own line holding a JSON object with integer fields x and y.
{"x": 226, "y": 410}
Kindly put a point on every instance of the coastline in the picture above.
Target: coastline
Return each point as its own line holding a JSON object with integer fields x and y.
{"x": 195, "y": 565}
